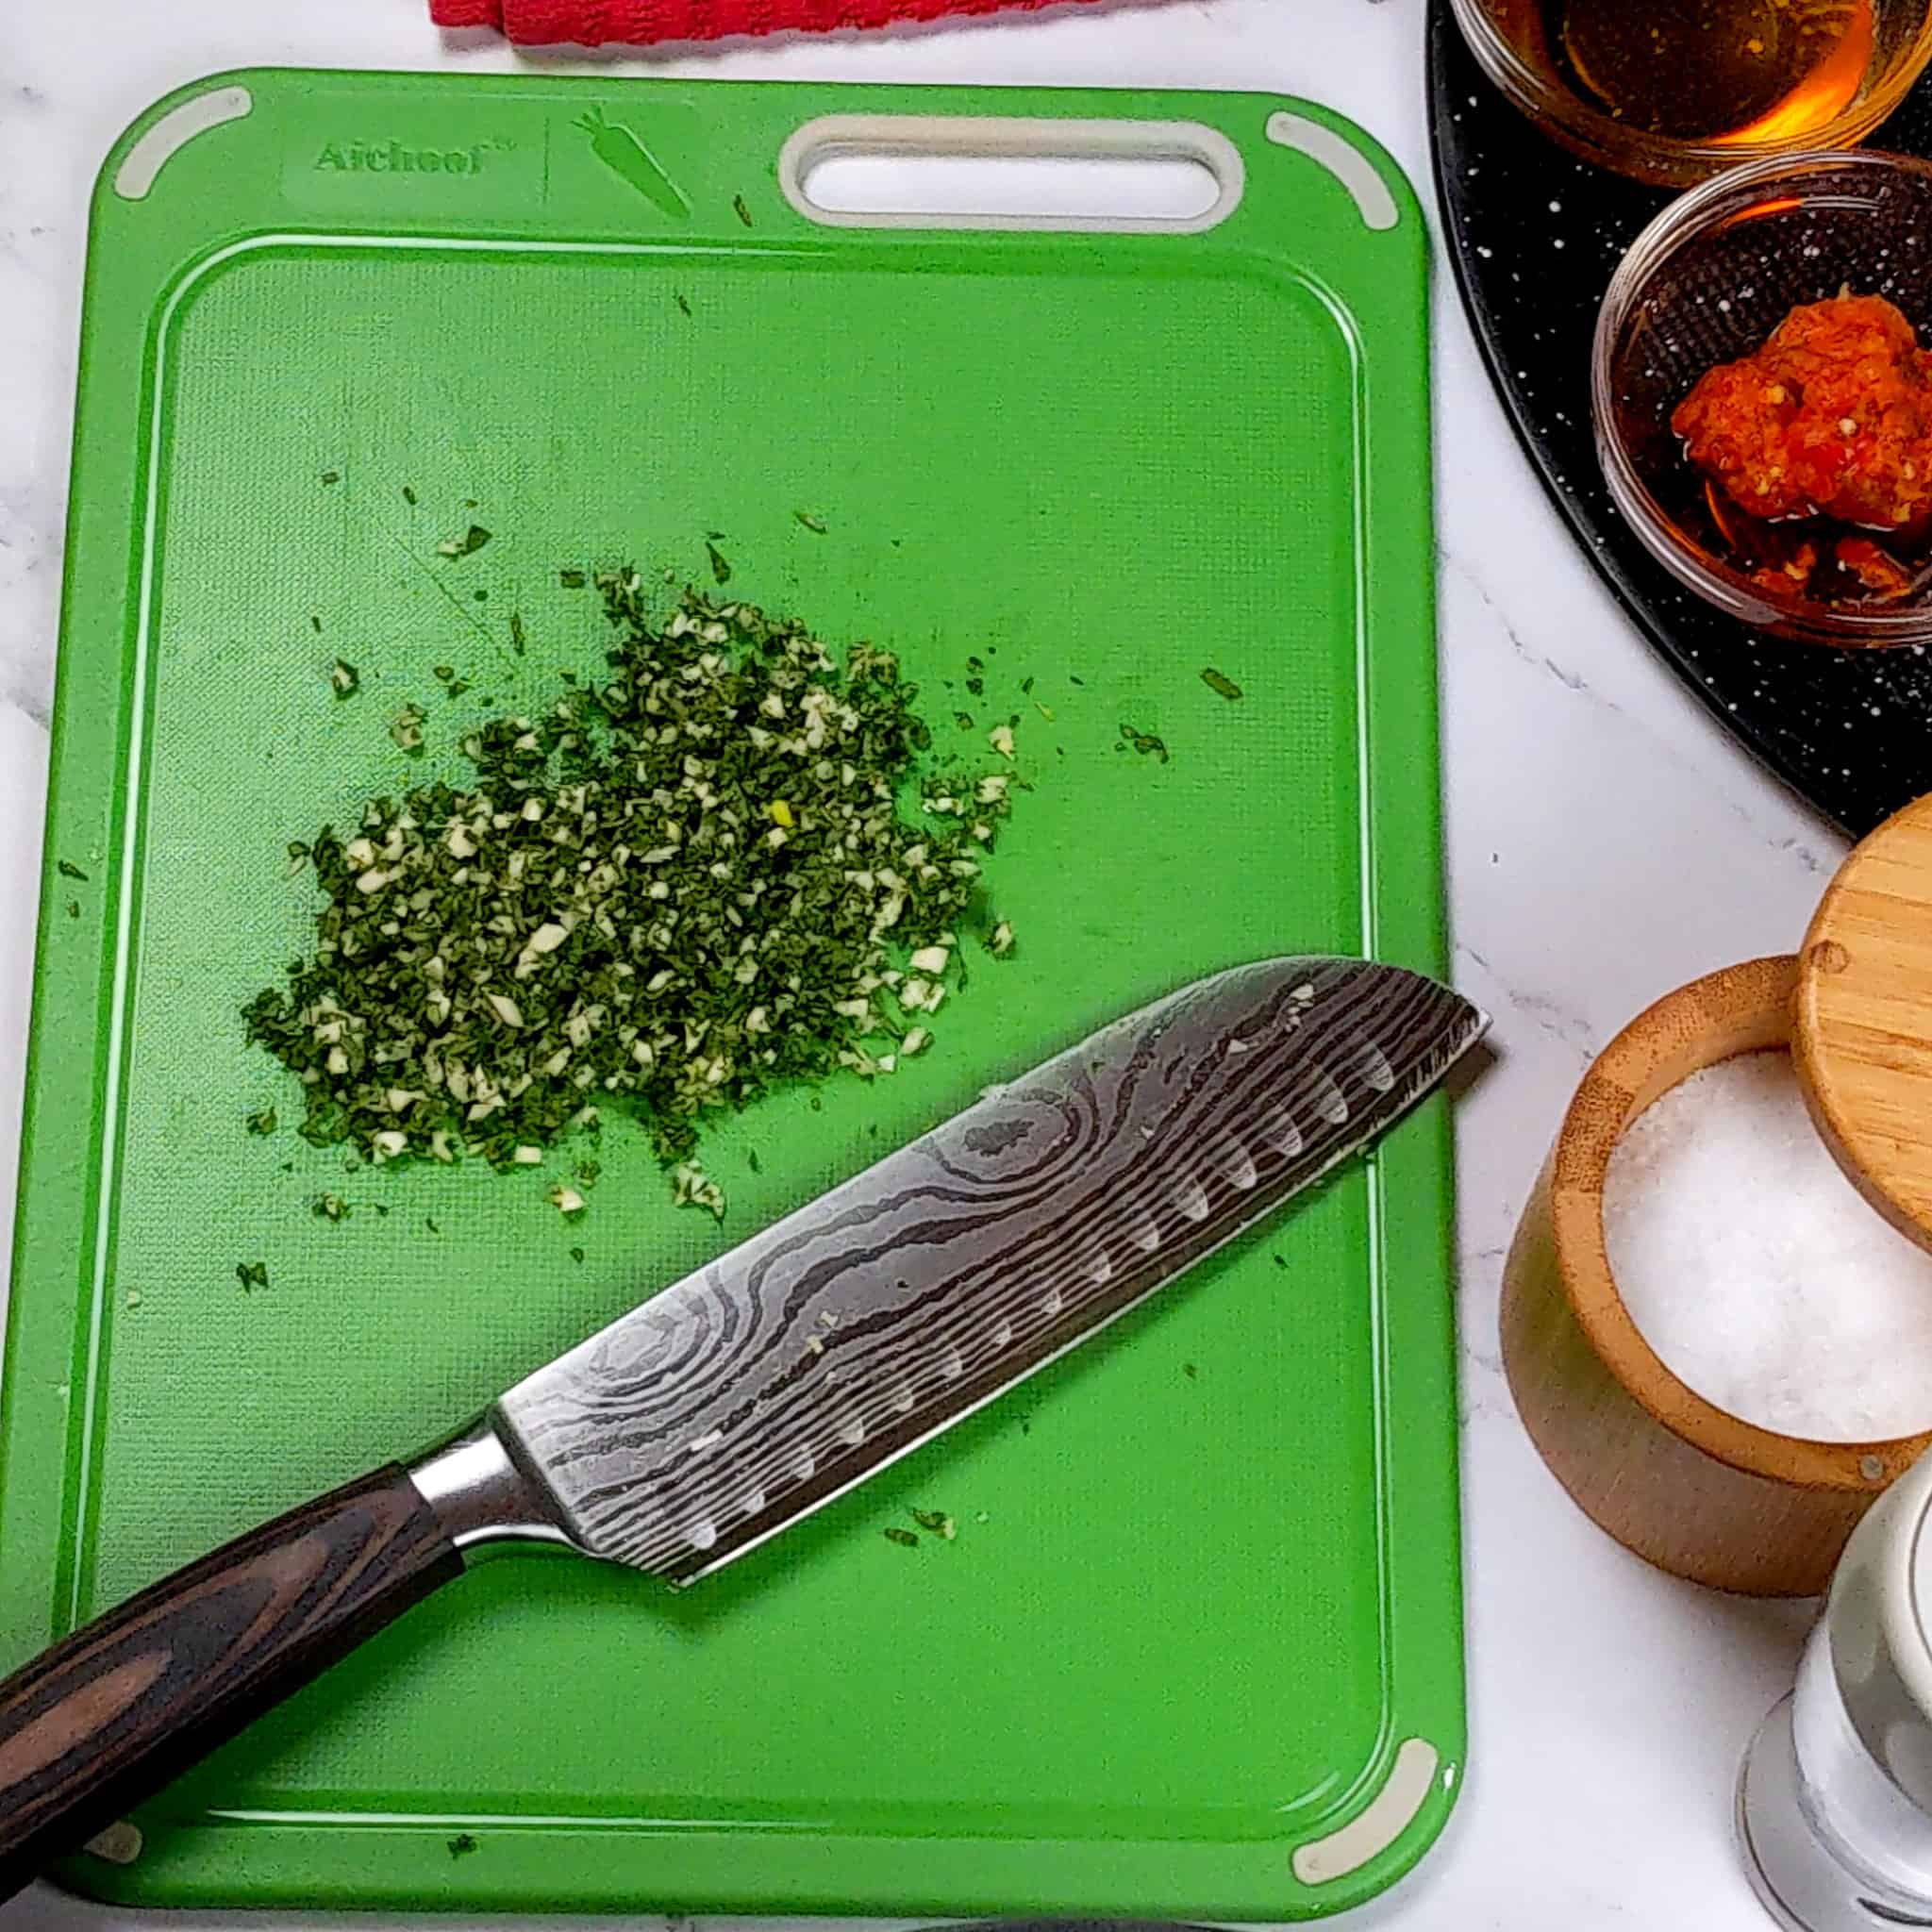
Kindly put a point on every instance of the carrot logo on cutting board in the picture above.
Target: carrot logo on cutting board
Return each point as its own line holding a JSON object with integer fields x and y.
{"x": 632, "y": 162}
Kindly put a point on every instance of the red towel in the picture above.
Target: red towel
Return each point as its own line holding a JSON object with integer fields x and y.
{"x": 590, "y": 22}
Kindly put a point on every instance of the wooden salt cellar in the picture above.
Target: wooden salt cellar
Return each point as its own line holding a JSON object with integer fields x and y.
{"x": 1694, "y": 1489}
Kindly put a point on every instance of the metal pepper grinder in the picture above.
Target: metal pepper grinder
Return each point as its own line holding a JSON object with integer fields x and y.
{"x": 1835, "y": 1799}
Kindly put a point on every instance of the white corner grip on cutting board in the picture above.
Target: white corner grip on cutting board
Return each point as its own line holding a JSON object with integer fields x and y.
{"x": 144, "y": 162}
{"x": 1368, "y": 1835}
{"x": 1349, "y": 166}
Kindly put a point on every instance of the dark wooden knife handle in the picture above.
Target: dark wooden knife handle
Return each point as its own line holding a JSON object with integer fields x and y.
{"x": 108, "y": 1715}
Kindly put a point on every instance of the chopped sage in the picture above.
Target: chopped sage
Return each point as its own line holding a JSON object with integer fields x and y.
{"x": 251, "y": 1274}
{"x": 702, "y": 876}
{"x": 461, "y": 1845}
{"x": 937, "y": 1522}
{"x": 815, "y": 525}
{"x": 719, "y": 569}
{"x": 742, "y": 208}
{"x": 572, "y": 579}
{"x": 331, "y": 475}
{"x": 345, "y": 679}
{"x": 408, "y": 496}
{"x": 329, "y": 1207}
{"x": 67, "y": 870}
{"x": 470, "y": 542}
{"x": 1220, "y": 684}
{"x": 1145, "y": 743}
{"x": 904, "y": 1537}
{"x": 262, "y": 1121}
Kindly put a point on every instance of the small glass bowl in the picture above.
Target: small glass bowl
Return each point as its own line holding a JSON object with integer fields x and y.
{"x": 1507, "y": 35}
{"x": 1707, "y": 282}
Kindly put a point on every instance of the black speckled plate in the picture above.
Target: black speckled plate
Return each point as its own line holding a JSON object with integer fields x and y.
{"x": 1534, "y": 236}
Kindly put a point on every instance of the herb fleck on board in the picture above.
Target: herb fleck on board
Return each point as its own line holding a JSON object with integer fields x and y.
{"x": 1220, "y": 684}
{"x": 472, "y": 541}
{"x": 1145, "y": 742}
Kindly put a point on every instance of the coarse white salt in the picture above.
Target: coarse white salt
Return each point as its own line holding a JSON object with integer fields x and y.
{"x": 1754, "y": 1269}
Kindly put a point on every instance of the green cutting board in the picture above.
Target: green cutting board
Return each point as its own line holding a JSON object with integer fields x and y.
{"x": 1196, "y": 1647}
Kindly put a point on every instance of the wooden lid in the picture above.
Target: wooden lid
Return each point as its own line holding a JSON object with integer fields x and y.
{"x": 1862, "y": 1037}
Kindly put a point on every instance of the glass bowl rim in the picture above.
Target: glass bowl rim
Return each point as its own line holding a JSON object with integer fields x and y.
{"x": 1684, "y": 221}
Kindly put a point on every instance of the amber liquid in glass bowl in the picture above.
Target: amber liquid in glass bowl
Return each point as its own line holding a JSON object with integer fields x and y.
{"x": 1671, "y": 90}
{"x": 1742, "y": 70}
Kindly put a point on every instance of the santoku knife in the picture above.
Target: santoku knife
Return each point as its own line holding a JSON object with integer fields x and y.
{"x": 757, "y": 1388}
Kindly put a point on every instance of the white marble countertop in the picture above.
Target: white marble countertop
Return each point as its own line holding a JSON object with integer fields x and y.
{"x": 1606, "y": 842}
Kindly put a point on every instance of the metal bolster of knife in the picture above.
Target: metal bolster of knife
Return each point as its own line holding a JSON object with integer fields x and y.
{"x": 484, "y": 1500}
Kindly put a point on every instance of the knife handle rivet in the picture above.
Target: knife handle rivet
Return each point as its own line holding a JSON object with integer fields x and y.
{"x": 951, "y": 1365}
{"x": 702, "y": 1534}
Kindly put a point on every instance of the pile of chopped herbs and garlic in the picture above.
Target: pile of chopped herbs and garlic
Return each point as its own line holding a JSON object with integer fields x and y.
{"x": 678, "y": 888}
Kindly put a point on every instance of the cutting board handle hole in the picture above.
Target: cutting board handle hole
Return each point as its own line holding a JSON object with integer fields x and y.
{"x": 980, "y": 172}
